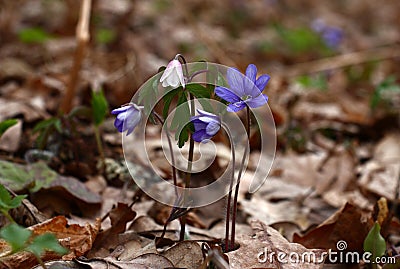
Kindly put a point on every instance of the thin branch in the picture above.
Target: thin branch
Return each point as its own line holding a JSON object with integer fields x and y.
{"x": 82, "y": 37}
{"x": 342, "y": 60}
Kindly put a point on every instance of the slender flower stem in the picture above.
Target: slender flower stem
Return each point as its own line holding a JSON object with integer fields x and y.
{"x": 174, "y": 176}
{"x": 197, "y": 73}
{"x": 228, "y": 207}
{"x": 99, "y": 147}
{"x": 235, "y": 199}
{"x": 179, "y": 56}
{"x": 189, "y": 168}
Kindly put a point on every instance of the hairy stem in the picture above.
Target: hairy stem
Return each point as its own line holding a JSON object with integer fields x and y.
{"x": 189, "y": 168}
{"x": 235, "y": 199}
{"x": 174, "y": 174}
{"x": 228, "y": 206}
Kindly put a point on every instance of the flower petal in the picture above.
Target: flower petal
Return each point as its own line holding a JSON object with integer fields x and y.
{"x": 205, "y": 113}
{"x": 167, "y": 73}
{"x": 121, "y": 116}
{"x": 200, "y": 135}
{"x": 132, "y": 120}
{"x": 119, "y": 110}
{"x": 172, "y": 80}
{"x": 251, "y": 72}
{"x": 173, "y": 75}
{"x": 180, "y": 75}
{"x": 262, "y": 81}
{"x": 226, "y": 94}
{"x": 199, "y": 125}
{"x": 257, "y": 101}
{"x": 212, "y": 128}
{"x": 235, "y": 107}
{"x": 235, "y": 80}
{"x": 118, "y": 124}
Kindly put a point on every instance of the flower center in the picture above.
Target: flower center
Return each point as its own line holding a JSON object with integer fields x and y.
{"x": 245, "y": 97}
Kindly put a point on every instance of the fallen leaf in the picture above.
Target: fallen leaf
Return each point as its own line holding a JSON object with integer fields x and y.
{"x": 348, "y": 224}
{"x": 186, "y": 254}
{"x": 74, "y": 237}
{"x": 381, "y": 174}
{"x": 50, "y": 192}
{"x": 12, "y": 108}
{"x": 145, "y": 261}
{"x": 119, "y": 216}
{"x": 256, "y": 250}
{"x": 269, "y": 213}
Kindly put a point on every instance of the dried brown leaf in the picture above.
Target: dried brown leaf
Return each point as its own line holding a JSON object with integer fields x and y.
{"x": 349, "y": 224}
{"x": 186, "y": 254}
{"x": 76, "y": 238}
{"x": 381, "y": 174}
{"x": 119, "y": 216}
{"x": 253, "y": 248}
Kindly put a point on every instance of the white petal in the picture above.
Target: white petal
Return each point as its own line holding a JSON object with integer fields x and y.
{"x": 166, "y": 74}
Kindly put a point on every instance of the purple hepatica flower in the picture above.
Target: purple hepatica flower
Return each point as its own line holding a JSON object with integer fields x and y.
{"x": 331, "y": 35}
{"x": 244, "y": 90}
{"x": 206, "y": 125}
{"x": 173, "y": 75}
{"x": 128, "y": 117}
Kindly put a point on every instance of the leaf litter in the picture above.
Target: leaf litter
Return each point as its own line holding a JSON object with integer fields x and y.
{"x": 337, "y": 155}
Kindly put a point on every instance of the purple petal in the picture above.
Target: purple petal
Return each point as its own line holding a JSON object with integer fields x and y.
{"x": 257, "y": 101}
{"x": 200, "y": 135}
{"x": 235, "y": 107}
{"x": 235, "y": 80}
{"x": 226, "y": 94}
{"x": 120, "y": 109}
{"x": 262, "y": 81}
{"x": 121, "y": 116}
{"x": 118, "y": 124}
{"x": 132, "y": 120}
{"x": 251, "y": 72}
{"x": 212, "y": 128}
{"x": 199, "y": 125}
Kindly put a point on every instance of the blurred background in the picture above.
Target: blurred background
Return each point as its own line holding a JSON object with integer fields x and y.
{"x": 130, "y": 40}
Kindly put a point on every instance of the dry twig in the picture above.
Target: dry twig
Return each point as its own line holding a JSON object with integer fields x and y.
{"x": 82, "y": 37}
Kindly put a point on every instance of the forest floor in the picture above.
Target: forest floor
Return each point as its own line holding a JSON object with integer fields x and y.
{"x": 334, "y": 95}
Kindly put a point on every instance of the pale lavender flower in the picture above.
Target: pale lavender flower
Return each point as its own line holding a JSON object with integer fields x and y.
{"x": 128, "y": 117}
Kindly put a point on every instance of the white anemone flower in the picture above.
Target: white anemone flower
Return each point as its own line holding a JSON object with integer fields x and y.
{"x": 173, "y": 75}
